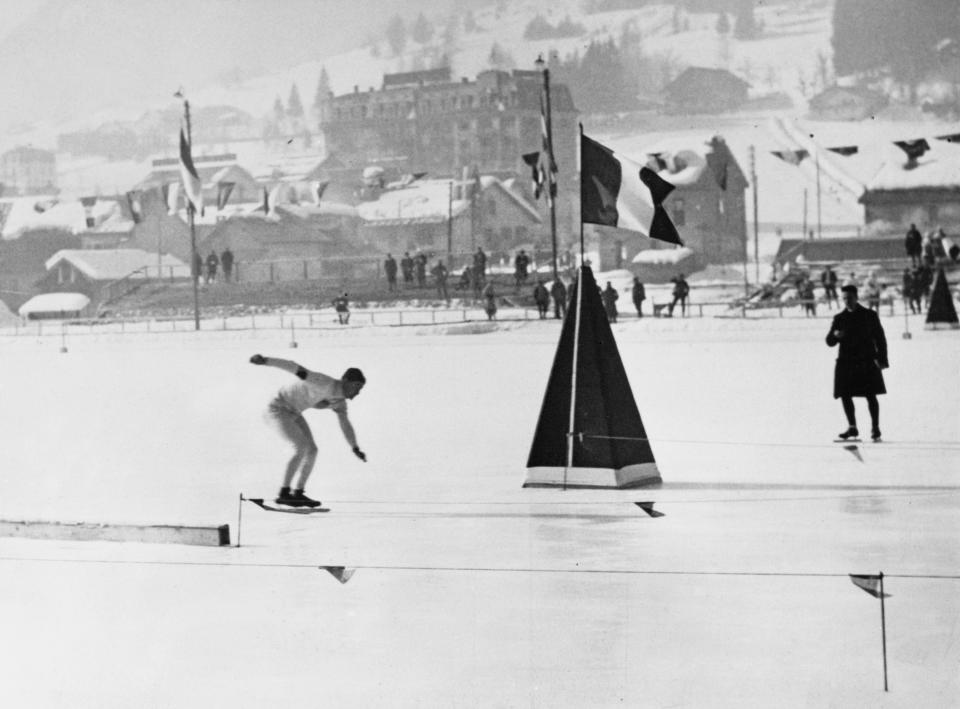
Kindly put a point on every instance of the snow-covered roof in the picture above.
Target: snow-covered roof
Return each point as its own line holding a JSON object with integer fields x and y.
{"x": 54, "y": 303}
{"x": 45, "y": 212}
{"x": 428, "y": 202}
{"x": 663, "y": 257}
{"x": 938, "y": 168}
{"x": 111, "y": 264}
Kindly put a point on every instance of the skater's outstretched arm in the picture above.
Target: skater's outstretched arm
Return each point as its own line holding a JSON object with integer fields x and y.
{"x": 285, "y": 364}
{"x": 348, "y": 432}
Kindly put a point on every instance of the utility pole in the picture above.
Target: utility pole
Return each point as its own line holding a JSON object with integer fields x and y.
{"x": 195, "y": 276}
{"x": 548, "y": 147}
{"x": 756, "y": 223}
{"x": 450, "y": 227}
{"x": 816, "y": 154}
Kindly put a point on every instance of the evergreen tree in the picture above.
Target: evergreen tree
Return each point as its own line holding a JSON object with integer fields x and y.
{"x": 744, "y": 23}
{"x": 323, "y": 88}
{"x": 278, "y": 111}
{"x": 294, "y": 105}
{"x": 422, "y": 31}
{"x": 397, "y": 34}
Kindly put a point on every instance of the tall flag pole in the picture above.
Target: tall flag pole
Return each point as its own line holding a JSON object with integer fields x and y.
{"x": 546, "y": 130}
{"x": 191, "y": 181}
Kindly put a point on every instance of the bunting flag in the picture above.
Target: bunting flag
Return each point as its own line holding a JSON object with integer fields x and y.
{"x": 266, "y": 202}
{"x": 550, "y": 168}
{"x": 845, "y": 150}
{"x": 274, "y": 199}
{"x": 173, "y": 199}
{"x": 949, "y": 137}
{"x": 536, "y": 173}
{"x": 869, "y": 583}
{"x": 793, "y": 157}
{"x": 913, "y": 148}
{"x": 188, "y": 174}
{"x": 134, "y": 201}
{"x": 616, "y": 191}
{"x": 318, "y": 189}
{"x": 223, "y": 193}
{"x": 340, "y": 573}
{"x": 88, "y": 202}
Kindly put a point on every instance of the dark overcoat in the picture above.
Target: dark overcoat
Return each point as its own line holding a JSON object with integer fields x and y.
{"x": 862, "y": 354}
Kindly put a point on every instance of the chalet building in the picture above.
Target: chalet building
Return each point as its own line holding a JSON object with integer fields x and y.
{"x": 702, "y": 90}
{"x": 290, "y": 242}
{"x": 94, "y": 272}
{"x": 215, "y": 171}
{"x": 28, "y": 171}
{"x": 924, "y": 191}
{"x": 427, "y": 122}
{"x": 23, "y": 262}
{"x": 436, "y": 215}
{"x": 846, "y": 103}
{"x": 707, "y": 206}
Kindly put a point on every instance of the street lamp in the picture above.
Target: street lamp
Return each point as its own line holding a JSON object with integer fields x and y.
{"x": 547, "y": 158}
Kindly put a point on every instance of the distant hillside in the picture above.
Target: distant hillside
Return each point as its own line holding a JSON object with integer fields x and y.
{"x": 77, "y": 57}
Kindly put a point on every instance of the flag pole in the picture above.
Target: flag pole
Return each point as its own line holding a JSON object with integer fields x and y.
{"x": 190, "y": 221}
{"x": 883, "y": 630}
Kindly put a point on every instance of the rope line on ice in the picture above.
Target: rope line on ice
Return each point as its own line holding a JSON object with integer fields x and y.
{"x": 910, "y": 445}
{"x": 478, "y": 569}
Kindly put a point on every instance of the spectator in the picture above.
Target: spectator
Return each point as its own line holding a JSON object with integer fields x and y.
{"x": 939, "y": 253}
{"x": 213, "y": 262}
{"x": 929, "y": 253}
{"x": 954, "y": 253}
{"x": 828, "y": 279}
{"x": 390, "y": 269}
{"x": 490, "y": 301}
{"x": 197, "y": 266}
{"x": 541, "y": 296}
{"x": 609, "y": 296}
{"x": 420, "y": 266}
{"x": 226, "y": 260}
{"x": 520, "y": 265}
{"x": 439, "y": 273}
{"x": 913, "y": 244}
{"x": 871, "y": 290}
{"x": 639, "y": 294}
{"x": 479, "y": 269}
{"x": 850, "y": 280}
{"x": 680, "y": 291}
{"x": 923, "y": 280}
{"x": 559, "y": 292}
{"x": 406, "y": 267}
{"x": 466, "y": 279}
{"x": 910, "y": 295}
{"x": 342, "y": 305}
{"x": 807, "y": 295}
{"x": 860, "y": 361}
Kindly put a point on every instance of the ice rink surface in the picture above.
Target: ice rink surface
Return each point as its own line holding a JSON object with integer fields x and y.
{"x": 470, "y": 591}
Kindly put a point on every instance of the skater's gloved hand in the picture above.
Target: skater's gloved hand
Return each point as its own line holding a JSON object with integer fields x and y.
{"x": 258, "y": 359}
{"x": 360, "y": 454}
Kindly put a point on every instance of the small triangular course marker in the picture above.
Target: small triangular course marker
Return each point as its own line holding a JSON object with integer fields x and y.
{"x": 855, "y": 450}
{"x": 648, "y": 508}
{"x": 340, "y": 573}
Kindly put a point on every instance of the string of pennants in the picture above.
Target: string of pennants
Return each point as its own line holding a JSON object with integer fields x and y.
{"x": 913, "y": 149}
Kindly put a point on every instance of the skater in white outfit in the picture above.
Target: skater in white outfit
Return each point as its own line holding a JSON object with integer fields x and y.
{"x": 316, "y": 391}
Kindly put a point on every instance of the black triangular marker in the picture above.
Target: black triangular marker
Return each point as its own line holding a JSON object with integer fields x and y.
{"x": 648, "y": 508}
{"x": 340, "y": 573}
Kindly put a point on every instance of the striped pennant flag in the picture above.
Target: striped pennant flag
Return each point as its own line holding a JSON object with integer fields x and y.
{"x": 869, "y": 583}
{"x": 190, "y": 177}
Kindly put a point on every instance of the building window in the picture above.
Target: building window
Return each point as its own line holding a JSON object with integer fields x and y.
{"x": 491, "y": 208}
{"x": 679, "y": 212}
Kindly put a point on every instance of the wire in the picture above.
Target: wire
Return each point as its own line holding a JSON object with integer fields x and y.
{"x": 470, "y": 569}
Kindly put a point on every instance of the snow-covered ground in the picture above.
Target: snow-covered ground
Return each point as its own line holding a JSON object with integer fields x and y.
{"x": 471, "y": 591}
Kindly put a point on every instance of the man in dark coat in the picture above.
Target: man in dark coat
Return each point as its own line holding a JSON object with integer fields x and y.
{"x": 639, "y": 294}
{"x": 609, "y": 296}
{"x": 390, "y": 269}
{"x": 541, "y": 296}
{"x": 913, "y": 245}
{"x": 860, "y": 361}
{"x": 559, "y": 292}
{"x": 226, "y": 260}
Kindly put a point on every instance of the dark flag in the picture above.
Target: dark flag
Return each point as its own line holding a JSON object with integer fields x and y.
{"x": 869, "y": 583}
{"x": 793, "y": 157}
{"x": 950, "y": 137}
{"x": 189, "y": 176}
{"x": 913, "y": 148}
{"x": 135, "y": 204}
{"x": 223, "y": 193}
{"x": 845, "y": 150}
{"x": 536, "y": 174}
{"x": 616, "y": 191}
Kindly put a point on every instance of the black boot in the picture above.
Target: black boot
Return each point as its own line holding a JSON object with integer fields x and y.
{"x": 875, "y": 434}
{"x": 851, "y": 432}
{"x": 301, "y": 500}
{"x": 288, "y": 498}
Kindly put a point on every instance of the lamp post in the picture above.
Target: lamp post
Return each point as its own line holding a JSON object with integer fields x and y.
{"x": 195, "y": 277}
{"x": 548, "y": 148}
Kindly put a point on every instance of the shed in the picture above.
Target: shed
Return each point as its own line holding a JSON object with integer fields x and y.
{"x": 55, "y": 306}
{"x": 705, "y": 90}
